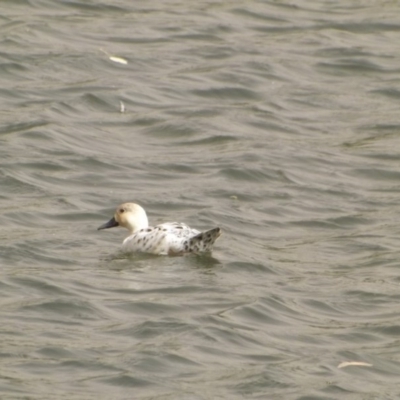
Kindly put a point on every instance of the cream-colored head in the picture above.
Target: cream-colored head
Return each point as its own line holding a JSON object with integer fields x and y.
{"x": 128, "y": 215}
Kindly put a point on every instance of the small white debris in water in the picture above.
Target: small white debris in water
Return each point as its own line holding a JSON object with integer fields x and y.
{"x": 345, "y": 364}
{"x": 122, "y": 108}
{"x": 118, "y": 60}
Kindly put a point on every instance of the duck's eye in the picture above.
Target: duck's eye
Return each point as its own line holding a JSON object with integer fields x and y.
{"x": 121, "y": 210}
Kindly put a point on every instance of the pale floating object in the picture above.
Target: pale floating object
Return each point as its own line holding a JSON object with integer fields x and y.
{"x": 171, "y": 238}
{"x": 118, "y": 60}
{"x": 233, "y": 197}
{"x": 122, "y": 107}
{"x": 345, "y": 364}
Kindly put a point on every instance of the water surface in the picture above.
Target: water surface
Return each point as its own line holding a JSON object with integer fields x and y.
{"x": 277, "y": 121}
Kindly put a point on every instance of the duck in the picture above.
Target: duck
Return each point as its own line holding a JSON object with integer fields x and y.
{"x": 170, "y": 238}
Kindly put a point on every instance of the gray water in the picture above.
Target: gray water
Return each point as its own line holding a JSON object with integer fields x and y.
{"x": 277, "y": 121}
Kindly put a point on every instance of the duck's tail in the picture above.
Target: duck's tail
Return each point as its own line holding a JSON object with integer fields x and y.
{"x": 204, "y": 241}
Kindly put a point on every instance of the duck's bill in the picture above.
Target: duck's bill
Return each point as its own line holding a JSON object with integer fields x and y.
{"x": 110, "y": 224}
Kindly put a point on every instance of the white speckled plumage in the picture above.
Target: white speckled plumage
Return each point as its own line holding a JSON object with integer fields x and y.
{"x": 170, "y": 238}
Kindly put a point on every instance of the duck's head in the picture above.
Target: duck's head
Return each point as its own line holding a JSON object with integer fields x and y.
{"x": 128, "y": 215}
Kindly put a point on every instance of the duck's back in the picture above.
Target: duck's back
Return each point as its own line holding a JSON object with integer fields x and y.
{"x": 170, "y": 238}
{"x": 165, "y": 238}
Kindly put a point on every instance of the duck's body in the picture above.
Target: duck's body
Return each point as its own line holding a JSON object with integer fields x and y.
{"x": 170, "y": 238}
